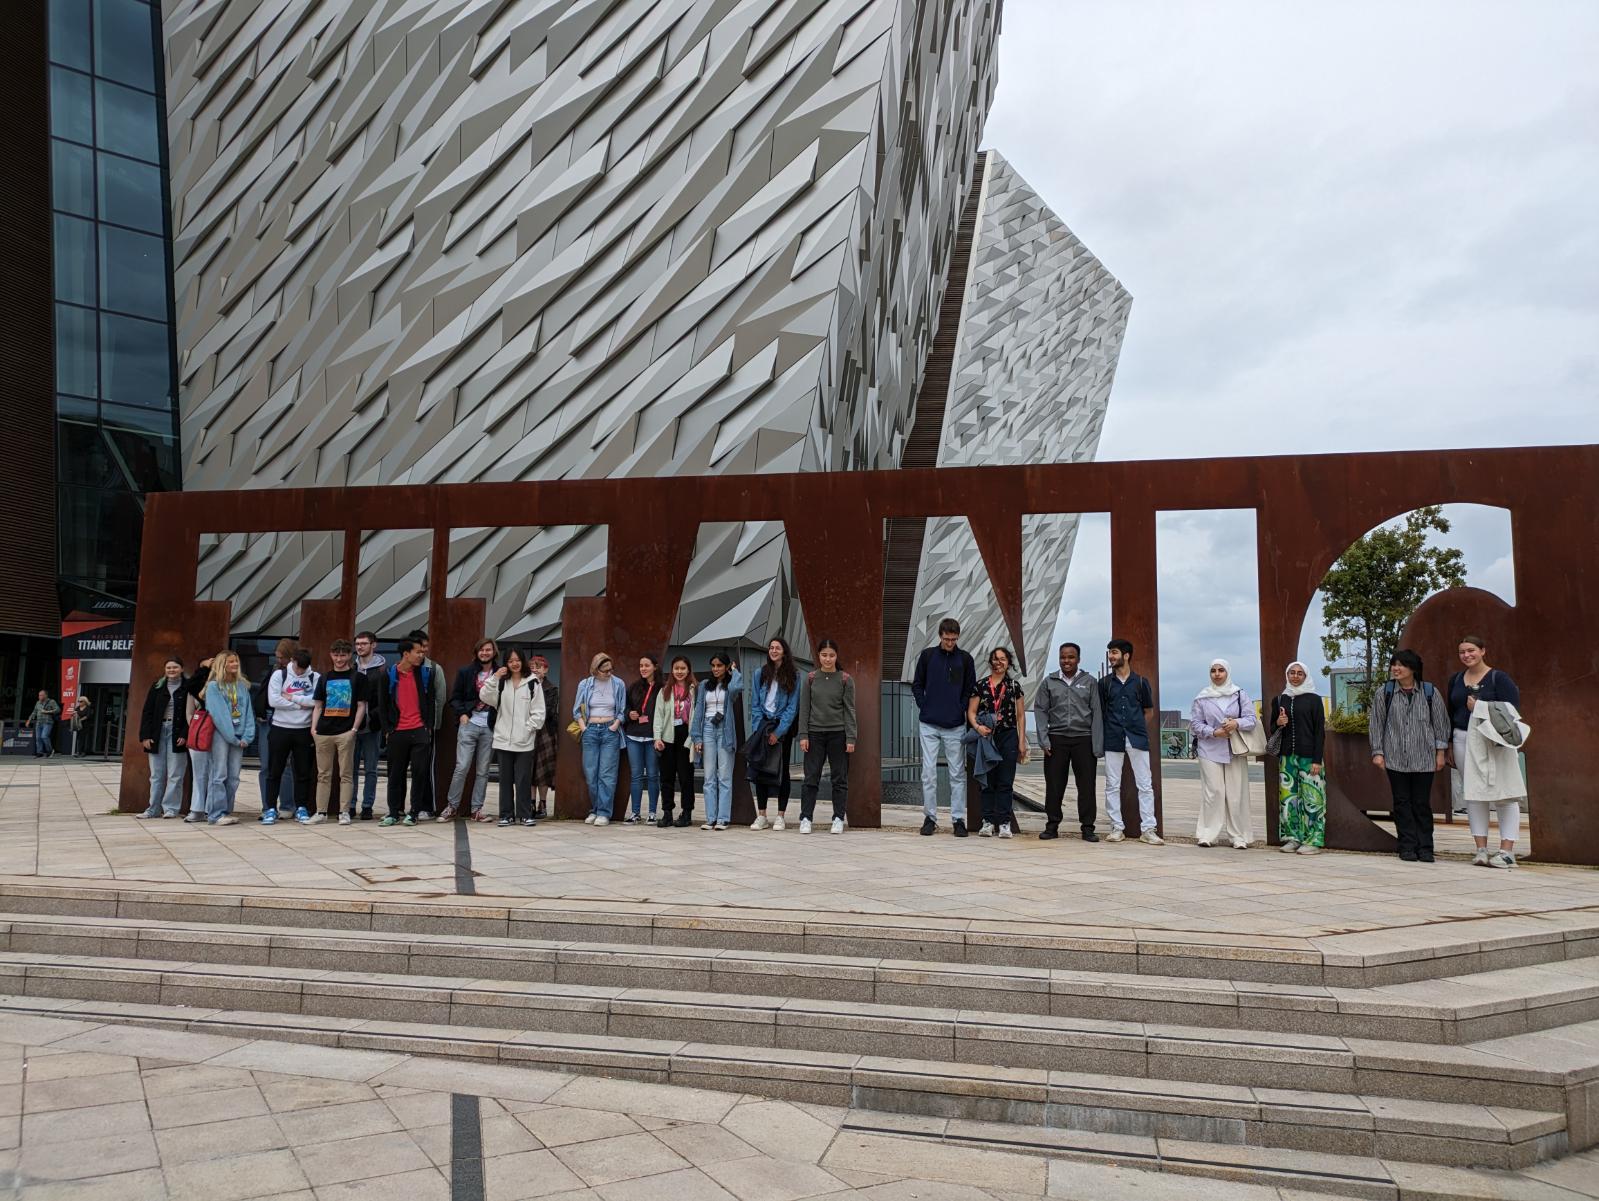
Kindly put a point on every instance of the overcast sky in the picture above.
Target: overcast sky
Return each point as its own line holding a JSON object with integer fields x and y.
{"x": 1353, "y": 226}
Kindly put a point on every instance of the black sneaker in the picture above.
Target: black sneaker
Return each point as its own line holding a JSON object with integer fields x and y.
{"x": 665, "y": 823}
{"x": 366, "y": 815}
{"x": 1090, "y": 836}
{"x": 960, "y": 828}
{"x": 929, "y": 826}
{"x": 1425, "y": 857}
{"x": 1049, "y": 831}
{"x": 1407, "y": 856}
{"x": 684, "y": 818}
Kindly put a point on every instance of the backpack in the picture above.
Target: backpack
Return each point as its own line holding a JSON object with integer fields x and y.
{"x": 1388, "y": 689}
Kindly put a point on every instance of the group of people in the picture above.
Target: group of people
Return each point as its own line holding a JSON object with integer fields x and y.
{"x": 42, "y": 721}
{"x": 316, "y": 732}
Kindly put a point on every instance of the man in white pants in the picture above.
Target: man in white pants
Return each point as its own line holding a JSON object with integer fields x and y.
{"x": 1128, "y": 706}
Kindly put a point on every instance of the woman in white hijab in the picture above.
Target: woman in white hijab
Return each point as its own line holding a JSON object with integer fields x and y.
{"x": 1299, "y": 723}
{"x": 1219, "y": 709}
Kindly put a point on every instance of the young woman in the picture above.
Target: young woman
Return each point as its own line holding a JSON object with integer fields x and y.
{"x": 518, "y": 701}
{"x": 199, "y": 761}
{"x": 163, "y": 733}
{"x": 826, "y": 734}
{"x": 548, "y": 741}
{"x": 774, "y": 704}
{"x": 674, "y": 715}
{"x": 1480, "y": 682}
{"x": 1220, "y": 708}
{"x": 1409, "y": 731}
{"x": 1301, "y": 794}
{"x": 643, "y": 758}
{"x": 716, "y": 739}
{"x": 993, "y": 711}
{"x": 227, "y": 700}
{"x": 601, "y": 708}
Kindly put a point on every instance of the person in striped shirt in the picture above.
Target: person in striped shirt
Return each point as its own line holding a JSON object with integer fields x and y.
{"x": 1409, "y": 730}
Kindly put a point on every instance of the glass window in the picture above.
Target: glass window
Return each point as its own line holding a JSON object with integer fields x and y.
{"x": 69, "y": 33}
{"x": 74, "y": 256}
{"x": 75, "y": 351}
{"x": 126, "y": 121}
{"x": 84, "y": 457}
{"x": 72, "y": 178}
{"x": 130, "y": 193}
{"x": 71, "y": 114}
{"x": 99, "y": 534}
{"x": 147, "y": 458}
{"x": 72, "y": 408}
{"x": 135, "y": 363}
{"x": 124, "y": 43}
{"x": 133, "y": 272}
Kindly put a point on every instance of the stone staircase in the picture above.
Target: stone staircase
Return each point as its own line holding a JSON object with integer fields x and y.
{"x": 1345, "y": 1068}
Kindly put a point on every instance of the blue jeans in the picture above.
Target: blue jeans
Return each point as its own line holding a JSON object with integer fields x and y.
{"x": 286, "y": 787}
{"x": 366, "y": 764}
{"x": 41, "y": 738}
{"x": 601, "y": 754}
{"x": 934, "y": 737}
{"x": 227, "y": 759}
{"x": 473, "y": 746}
{"x": 719, "y": 782}
{"x": 166, "y": 774}
{"x": 645, "y": 767}
{"x": 200, "y": 771}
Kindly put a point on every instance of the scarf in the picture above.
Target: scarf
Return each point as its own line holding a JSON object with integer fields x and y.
{"x": 1305, "y": 689}
{"x": 1219, "y": 692}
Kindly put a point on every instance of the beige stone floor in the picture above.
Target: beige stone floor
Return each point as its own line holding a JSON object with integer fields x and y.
{"x": 57, "y": 822}
{"x": 92, "y": 1112}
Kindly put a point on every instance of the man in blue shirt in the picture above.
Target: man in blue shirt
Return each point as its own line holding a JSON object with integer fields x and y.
{"x": 1128, "y": 706}
{"x": 945, "y": 677}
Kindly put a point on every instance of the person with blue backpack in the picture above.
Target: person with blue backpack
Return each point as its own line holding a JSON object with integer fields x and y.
{"x": 1409, "y": 731}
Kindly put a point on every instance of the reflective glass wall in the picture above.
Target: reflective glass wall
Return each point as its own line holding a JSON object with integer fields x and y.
{"x": 116, "y": 402}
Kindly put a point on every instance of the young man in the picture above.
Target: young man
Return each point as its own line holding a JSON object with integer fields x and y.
{"x": 291, "y": 695}
{"x": 420, "y": 637}
{"x": 1067, "y": 716}
{"x": 1128, "y": 707}
{"x": 368, "y": 737}
{"x": 43, "y": 721}
{"x": 406, "y": 701}
{"x": 474, "y": 731}
{"x": 340, "y": 707}
{"x": 945, "y": 677}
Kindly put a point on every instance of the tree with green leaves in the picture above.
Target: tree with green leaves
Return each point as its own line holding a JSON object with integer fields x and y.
{"x": 1376, "y": 585}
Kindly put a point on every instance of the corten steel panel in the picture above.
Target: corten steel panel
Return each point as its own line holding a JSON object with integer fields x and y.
{"x": 1308, "y": 510}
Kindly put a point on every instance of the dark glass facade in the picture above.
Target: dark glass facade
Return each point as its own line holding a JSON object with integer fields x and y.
{"x": 115, "y": 358}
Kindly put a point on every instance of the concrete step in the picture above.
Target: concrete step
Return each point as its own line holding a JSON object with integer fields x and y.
{"x": 1238, "y": 1132}
{"x": 1455, "y": 1010}
{"x": 1355, "y": 960}
{"x": 1295, "y": 1091}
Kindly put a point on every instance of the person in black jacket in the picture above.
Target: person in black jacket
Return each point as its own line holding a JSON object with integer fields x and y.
{"x": 944, "y": 680}
{"x": 405, "y": 709}
{"x": 1299, "y": 723}
{"x": 163, "y": 733}
{"x": 474, "y": 731}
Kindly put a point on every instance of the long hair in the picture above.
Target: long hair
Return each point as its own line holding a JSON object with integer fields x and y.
{"x": 787, "y": 679}
{"x": 219, "y": 669}
{"x": 688, "y": 682}
{"x": 712, "y": 684}
{"x": 521, "y": 658}
{"x": 827, "y": 644}
{"x": 1010, "y": 659}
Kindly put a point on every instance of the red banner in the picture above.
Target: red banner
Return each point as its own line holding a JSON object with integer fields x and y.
{"x": 70, "y": 670}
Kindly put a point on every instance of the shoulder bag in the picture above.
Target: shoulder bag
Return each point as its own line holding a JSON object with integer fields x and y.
{"x": 1251, "y": 742}
{"x": 202, "y": 728}
{"x": 1274, "y": 741}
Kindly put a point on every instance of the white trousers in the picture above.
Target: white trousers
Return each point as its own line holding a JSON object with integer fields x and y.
{"x": 1141, "y": 778}
{"x": 1477, "y": 811}
{"x": 1224, "y": 801}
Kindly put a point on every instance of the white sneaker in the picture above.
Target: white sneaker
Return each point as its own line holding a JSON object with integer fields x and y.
{"x": 1480, "y": 859}
{"x": 1501, "y": 859}
{"x": 1004, "y": 831}
{"x": 1240, "y": 845}
{"x": 760, "y": 822}
{"x": 317, "y": 820}
{"x": 708, "y": 826}
{"x": 1116, "y": 836}
{"x": 805, "y": 825}
{"x": 1306, "y": 849}
{"x": 778, "y": 823}
{"x": 838, "y": 825}
{"x": 721, "y": 825}
{"x": 1289, "y": 846}
{"x": 344, "y": 819}
{"x": 985, "y": 831}
{"x": 589, "y": 820}
{"x": 602, "y": 821}
{"x": 1150, "y": 837}
{"x": 226, "y": 820}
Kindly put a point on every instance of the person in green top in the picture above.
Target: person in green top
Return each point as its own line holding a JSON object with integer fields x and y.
{"x": 43, "y": 721}
{"x": 826, "y": 734}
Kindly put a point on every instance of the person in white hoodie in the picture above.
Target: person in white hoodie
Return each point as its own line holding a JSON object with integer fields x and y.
{"x": 518, "y": 700}
{"x": 291, "y": 695}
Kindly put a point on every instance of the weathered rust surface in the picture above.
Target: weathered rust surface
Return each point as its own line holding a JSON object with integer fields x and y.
{"x": 1308, "y": 510}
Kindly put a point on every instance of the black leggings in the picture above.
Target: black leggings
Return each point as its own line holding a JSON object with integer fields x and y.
{"x": 677, "y": 772}
{"x": 516, "y": 784}
{"x": 827, "y": 747}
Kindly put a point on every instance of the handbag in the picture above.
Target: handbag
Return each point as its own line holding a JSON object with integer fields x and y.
{"x": 202, "y": 728}
{"x": 576, "y": 725}
{"x": 1274, "y": 742}
{"x": 1251, "y": 742}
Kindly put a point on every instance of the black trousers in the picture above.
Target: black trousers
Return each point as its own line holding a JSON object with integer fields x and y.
{"x": 765, "y": 790}
{"x": 827, "y": 747}
{"x": 410, "y": 751}
{"x": 286, "y": 746}
{"x": 677, "y": 772}
{"x": 516, "y": 784}
{"x": 998, "y": 791}
{"x": 1070, "y": 754}
{"x": 1412, "y": 811}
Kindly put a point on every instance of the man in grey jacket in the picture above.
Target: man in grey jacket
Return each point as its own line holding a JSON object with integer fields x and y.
{"x": 1066, "y": 714}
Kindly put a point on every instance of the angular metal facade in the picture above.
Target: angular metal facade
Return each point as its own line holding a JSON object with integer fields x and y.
{"x": 512, "y": 239}
{"x": 1041, "y": 331}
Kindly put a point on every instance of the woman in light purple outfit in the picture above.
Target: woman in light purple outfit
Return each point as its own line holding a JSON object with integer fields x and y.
{"x": 1219, "y": 709}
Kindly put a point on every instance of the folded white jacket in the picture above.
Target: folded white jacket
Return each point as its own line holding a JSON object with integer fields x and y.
{"x": 1492, "y": 770}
